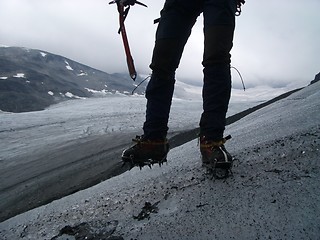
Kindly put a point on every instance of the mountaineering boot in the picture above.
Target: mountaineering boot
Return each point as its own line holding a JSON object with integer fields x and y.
{"x": 215, "y": 157}
{"x": 146, "y": 152}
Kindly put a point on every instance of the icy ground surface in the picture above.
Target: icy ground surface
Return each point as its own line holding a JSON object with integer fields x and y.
{"x": 273, "y": 194}
{"x": 31, "y": 132}
{"x": 74, "y": 145}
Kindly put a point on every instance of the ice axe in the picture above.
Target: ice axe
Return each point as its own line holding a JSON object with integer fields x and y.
{"x": 123, "y": 7}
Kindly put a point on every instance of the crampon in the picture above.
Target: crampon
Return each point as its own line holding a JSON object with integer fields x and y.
{"x": 145, "y": 153}
{"x": 218, "y": 171}
{"x": 216, "y": 158}
{"x": 142, "y": 163}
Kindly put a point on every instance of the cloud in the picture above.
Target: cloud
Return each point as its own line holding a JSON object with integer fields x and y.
{"x": 279, "y": 44}
{"x": 276, "y": 42}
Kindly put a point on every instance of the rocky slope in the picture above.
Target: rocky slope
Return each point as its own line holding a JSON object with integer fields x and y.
{"x": 31, "y": 80}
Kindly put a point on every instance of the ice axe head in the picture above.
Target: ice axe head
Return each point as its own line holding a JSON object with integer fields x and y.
{"x": 127, "y": 2}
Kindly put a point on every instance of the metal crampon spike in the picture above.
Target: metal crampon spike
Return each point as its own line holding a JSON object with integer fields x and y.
{"x": 148, "y": 163}
{"x": 220, "y": 173}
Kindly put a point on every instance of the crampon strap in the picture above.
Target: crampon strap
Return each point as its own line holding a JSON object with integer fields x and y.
{"x": 215, "y": 143}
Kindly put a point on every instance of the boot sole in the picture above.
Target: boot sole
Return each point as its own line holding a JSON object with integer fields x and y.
{"x": 143, "y": 162}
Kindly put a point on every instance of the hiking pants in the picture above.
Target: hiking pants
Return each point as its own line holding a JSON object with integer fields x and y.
{"x": 174, "y": 29}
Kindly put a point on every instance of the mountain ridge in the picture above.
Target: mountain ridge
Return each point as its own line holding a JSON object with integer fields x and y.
{"x": 31, "y": 80}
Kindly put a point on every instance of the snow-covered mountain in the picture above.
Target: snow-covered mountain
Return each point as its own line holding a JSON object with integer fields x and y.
{"x": 32, "y": 80}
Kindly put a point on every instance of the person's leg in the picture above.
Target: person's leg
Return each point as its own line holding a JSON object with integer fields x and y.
{"x": 176, "y": 22}
{"x": 177, "y": 19}
{"x": 219, "y": 24}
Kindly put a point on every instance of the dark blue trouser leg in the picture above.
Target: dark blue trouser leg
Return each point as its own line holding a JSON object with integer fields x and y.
{"x": 173, "y": 31}
{"x": 216, "y": 95}
{"x": 177, "y": 20}
{"x": 219, "y": 23}
{"x": 217, "y": 80}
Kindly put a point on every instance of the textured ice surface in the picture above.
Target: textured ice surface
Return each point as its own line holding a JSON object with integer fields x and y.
{"x": 273, "y": 193}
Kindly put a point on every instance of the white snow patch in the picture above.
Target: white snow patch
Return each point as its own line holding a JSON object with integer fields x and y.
{"x": 19, "y": 75}
{"x": 91, "y": 90}
{"x": 27, "y": 81}
{"x": 71, "y": 95}
{"x": 98, "y": 92}
{"x": 82, "y": 73}
{"x": 3, "y": 78}
{"x": 69, "y": 68}
{"x": 68, "y": 65}
{"x": 43, "y": 54}
{"x": 50, "y": 93}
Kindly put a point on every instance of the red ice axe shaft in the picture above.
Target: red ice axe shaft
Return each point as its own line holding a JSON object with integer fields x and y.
{"x": 131, "y": 68}
{"x": 122, "y": 16}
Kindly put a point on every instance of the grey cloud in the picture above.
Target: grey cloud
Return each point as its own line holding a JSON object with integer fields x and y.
{"x": 276, "y": 42}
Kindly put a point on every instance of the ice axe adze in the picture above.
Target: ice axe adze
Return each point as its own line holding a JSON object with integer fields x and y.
{"x": 123, "y": 9}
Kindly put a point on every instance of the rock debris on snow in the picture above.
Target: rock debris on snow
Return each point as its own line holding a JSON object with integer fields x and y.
{"x": 273, "y": 192}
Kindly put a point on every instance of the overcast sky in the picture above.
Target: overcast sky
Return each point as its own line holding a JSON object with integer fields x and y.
{"x": 277, "y": 42}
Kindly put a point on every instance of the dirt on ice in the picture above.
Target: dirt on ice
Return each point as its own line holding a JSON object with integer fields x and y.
{"x": 273, "y": 193}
